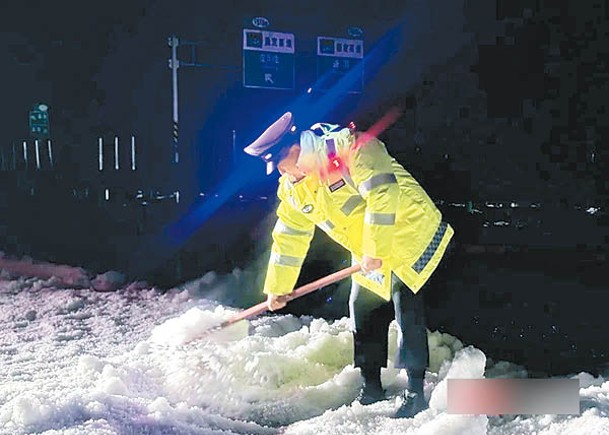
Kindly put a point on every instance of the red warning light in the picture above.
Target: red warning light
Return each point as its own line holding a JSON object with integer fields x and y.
{"x": 335, "y": 162}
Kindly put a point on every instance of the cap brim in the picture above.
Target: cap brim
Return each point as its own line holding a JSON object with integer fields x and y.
{"x": 272, "y": 136}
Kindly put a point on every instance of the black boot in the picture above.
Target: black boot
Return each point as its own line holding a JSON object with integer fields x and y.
{"x": 372, "y": 391}
{"x": 413, "y": 404}
{"x": 414, "y": 399}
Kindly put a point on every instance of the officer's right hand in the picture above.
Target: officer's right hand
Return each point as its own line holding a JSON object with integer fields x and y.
{"x": 275, "y": 302}
{"x": 370, "y": 264}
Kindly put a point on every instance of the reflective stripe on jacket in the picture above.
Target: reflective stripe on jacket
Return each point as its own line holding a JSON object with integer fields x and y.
{"x": 367, "y": 202}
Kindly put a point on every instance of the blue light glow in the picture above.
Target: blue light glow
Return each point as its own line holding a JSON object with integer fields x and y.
{"x": 307, "y": 111}
{"x": 246, "y": 174}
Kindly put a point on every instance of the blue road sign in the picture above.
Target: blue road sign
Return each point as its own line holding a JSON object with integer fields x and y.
{"x": 268, "y": 59}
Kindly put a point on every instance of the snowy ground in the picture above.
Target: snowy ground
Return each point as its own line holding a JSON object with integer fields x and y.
{"x": 75, "y": 361}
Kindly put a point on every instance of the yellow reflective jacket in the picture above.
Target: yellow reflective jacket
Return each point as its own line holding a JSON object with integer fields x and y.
{"x": 364, "y": 200}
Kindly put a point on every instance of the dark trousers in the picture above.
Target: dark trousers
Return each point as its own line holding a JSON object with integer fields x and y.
{"x": 371, "y": 315}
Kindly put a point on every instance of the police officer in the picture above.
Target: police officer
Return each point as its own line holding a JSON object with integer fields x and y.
{"x": 344, "y": 182}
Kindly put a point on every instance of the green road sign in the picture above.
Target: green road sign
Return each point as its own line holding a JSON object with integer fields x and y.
{"x": 39, "y": 121}
{"x": 340, "y": 59}
{"x": 268, "y": 59}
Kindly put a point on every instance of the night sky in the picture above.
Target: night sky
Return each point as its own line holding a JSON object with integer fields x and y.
{"x": 102, "y": 68}
{"x": 503, "y": 101}
{"x": 93, "y": 61}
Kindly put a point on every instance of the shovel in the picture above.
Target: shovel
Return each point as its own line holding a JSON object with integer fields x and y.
{"x": 298, "y": 292}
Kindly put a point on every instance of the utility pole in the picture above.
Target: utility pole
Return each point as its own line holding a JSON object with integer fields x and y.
{"x": 174, "y": 64}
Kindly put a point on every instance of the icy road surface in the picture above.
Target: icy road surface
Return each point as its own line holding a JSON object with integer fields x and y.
{"x": 75, "y": 361}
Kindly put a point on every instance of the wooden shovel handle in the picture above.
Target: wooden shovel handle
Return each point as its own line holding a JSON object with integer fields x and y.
{"x": 298, "y": 292}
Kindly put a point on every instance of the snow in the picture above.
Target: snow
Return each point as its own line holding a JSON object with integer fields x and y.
{"x": 131, "y": 361}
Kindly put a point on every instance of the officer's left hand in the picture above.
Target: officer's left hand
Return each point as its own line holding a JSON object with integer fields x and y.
{"x": 369, "y": 264}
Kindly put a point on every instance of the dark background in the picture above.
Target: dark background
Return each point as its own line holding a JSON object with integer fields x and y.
{"x": 504, "y": 122}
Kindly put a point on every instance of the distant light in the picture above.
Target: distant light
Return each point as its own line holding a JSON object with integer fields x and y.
{"x": 37, "y": 150}
{"x": 43, "y": 107}
{"x": 293, "y": 129}
{"x": 593, "y": 210}
{"x": 133, "y": 167}
{"x": 25, "y": 153}
{"x": 107, "y": 194}
{"x": 309, "y": 90}
{"x": 116, "y": 160}
{"x": 100, "y": 154}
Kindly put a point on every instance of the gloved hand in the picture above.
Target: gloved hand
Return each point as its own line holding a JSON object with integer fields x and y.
{"x": 275, "y": 302}
{"x": 369, "y": 264}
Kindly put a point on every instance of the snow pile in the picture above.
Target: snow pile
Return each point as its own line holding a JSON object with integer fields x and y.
{"x": 196, "y": 322}
{"x": 467, "y": 364}
{"x": 266, "y": 377}
{"x": 76, "y": 361}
